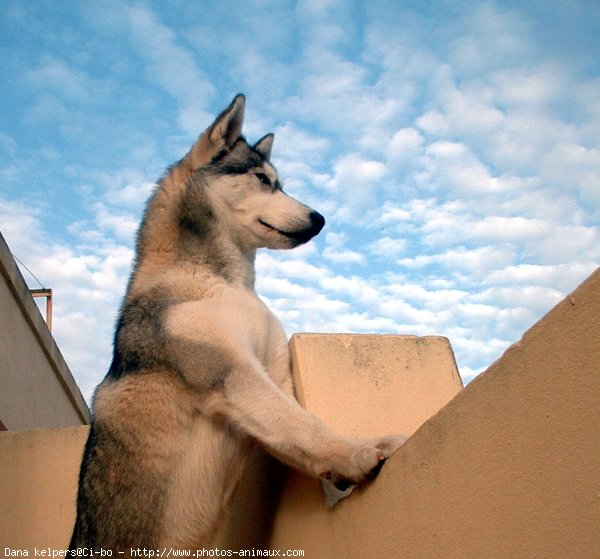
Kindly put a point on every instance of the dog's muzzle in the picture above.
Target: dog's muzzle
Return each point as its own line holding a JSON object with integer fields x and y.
{"x": 301, "y": 236}
{"x": 317, "y": 222}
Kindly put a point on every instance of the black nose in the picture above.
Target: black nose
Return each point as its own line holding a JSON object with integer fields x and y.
{"x": 317, "y": 222}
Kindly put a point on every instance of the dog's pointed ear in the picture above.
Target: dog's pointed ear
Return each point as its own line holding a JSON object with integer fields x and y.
{"x": 220, "y": 135}
{"x": 227, "y": 127}
{"x": 265, "y": 145}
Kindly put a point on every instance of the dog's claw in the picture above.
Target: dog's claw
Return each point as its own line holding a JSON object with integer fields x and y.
{"x": 342, "y": 484}
{"x": 375, "y": 471}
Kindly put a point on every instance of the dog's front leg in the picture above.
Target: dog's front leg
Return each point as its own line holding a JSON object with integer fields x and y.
{"x": 216, "y": 355}
{"x": 251, "y": 401}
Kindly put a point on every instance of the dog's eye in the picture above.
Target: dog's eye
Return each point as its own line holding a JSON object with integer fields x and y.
{"x": 264, "y": 179}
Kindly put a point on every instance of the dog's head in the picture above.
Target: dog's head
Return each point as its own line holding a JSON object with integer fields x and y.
{"x": 244, "y": 188}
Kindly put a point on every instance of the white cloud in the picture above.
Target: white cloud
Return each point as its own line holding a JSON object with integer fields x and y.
{"x": 535, "y": 297}
{"x": 577, "y": 168}
{"x": 490, "y": 36}
{"x": 432, "y": 297}
{"x": 477, "y": 262}
{"x": 468, "y": 109}
{"x": 452, "y": 165}
{"x": 388, "y": 247}
{"x": 354, "y": 184}
{"x": 47, "y": 107}
{"x": 289, "y": 265}
{"x": 132, "y": 195}
{"x": 405, "y": 147}
{"x": 335, "y": 251}
{"x": 563, "y": 276}
{"x": 534, "y": 87}
{"x": 358, "y": 290}
{"x": 171, "y": 66}
{"x": 58, "y": 76}
{"x": 391, "y": 214}
{"x": 343, "y": 256}
{"x": 20, "y": 222}
{"x": 122, "y": 226}
{"x": 296, "y": 144}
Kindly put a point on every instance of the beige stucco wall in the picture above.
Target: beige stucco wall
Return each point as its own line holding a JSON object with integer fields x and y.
{"x": 38, "y": 487}
{"x": 371, "y": 385}
{"x": 510, "y": 468}
{"x": 37, "y": 389}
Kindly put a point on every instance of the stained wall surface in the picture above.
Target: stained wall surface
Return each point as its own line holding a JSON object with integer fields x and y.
{"x": 510, "y": 468}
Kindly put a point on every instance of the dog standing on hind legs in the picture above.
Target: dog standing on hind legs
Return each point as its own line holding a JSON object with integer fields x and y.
{"x": 201, "y": 366}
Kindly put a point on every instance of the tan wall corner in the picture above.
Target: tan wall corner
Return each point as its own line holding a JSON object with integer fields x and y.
{"x": 38, "y": 487}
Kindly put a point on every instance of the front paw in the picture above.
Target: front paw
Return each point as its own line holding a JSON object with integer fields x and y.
{"x": 390, "y": 444}
{"x": 363, "y": 460}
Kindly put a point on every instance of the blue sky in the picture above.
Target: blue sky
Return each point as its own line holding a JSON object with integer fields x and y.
{"x": 454, "y": 148}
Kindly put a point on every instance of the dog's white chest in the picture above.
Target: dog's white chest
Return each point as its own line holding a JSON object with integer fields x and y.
{"x": 236, "y": 324}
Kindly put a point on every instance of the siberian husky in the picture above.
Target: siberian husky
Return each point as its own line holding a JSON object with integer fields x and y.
{"x": 200, "y": 366}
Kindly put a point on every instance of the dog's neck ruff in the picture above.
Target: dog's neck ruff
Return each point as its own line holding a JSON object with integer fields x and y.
{"x": 180, "y": 230}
